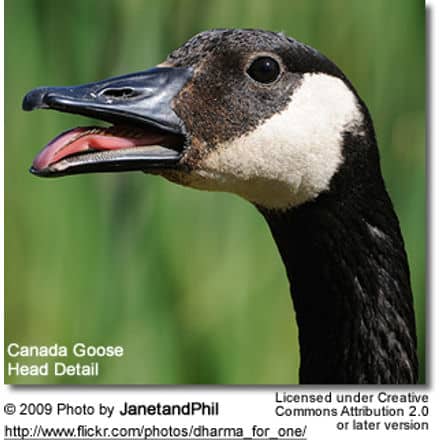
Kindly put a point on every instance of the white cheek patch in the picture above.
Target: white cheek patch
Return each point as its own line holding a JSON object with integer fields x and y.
{"x": 291, "y": 157}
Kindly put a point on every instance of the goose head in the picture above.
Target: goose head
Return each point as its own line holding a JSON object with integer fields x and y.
{"x": 249, "y": 112}
{"x": 263, "y": 116}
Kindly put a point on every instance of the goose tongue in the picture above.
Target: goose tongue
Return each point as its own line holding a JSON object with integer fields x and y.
{"x": 82, "y": 139}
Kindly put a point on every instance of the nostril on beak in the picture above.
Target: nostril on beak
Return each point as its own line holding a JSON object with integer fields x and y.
{"x": 120, "y": 93}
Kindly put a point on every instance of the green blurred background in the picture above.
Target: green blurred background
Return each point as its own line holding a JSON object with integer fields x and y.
{"x": 190, "y": 283}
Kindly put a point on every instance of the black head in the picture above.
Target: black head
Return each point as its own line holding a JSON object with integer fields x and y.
{"x": 228, "y": 95}
{"x": 246, "y": 111}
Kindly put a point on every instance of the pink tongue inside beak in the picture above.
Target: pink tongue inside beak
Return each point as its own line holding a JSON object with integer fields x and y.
{"x": 89, "y": 138}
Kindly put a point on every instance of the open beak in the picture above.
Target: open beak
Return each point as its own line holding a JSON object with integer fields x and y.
{"x": 146, "y": 133}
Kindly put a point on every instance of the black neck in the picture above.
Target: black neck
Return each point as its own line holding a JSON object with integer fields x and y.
{"x": 349, "y": 278}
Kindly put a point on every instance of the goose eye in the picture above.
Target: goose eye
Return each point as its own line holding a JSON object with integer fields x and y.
{"x": 264, "y": 70}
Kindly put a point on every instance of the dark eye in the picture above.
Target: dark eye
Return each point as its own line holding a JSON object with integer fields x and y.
{"x": 264, "y": 70}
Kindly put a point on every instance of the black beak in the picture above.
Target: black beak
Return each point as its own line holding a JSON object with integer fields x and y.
{"x": 141, "y": 100}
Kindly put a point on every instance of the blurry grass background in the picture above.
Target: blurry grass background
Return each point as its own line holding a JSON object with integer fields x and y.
{"x": 190, "y": 283}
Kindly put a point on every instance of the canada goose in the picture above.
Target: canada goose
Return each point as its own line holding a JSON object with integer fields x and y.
{"x": 266, "y": 117}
